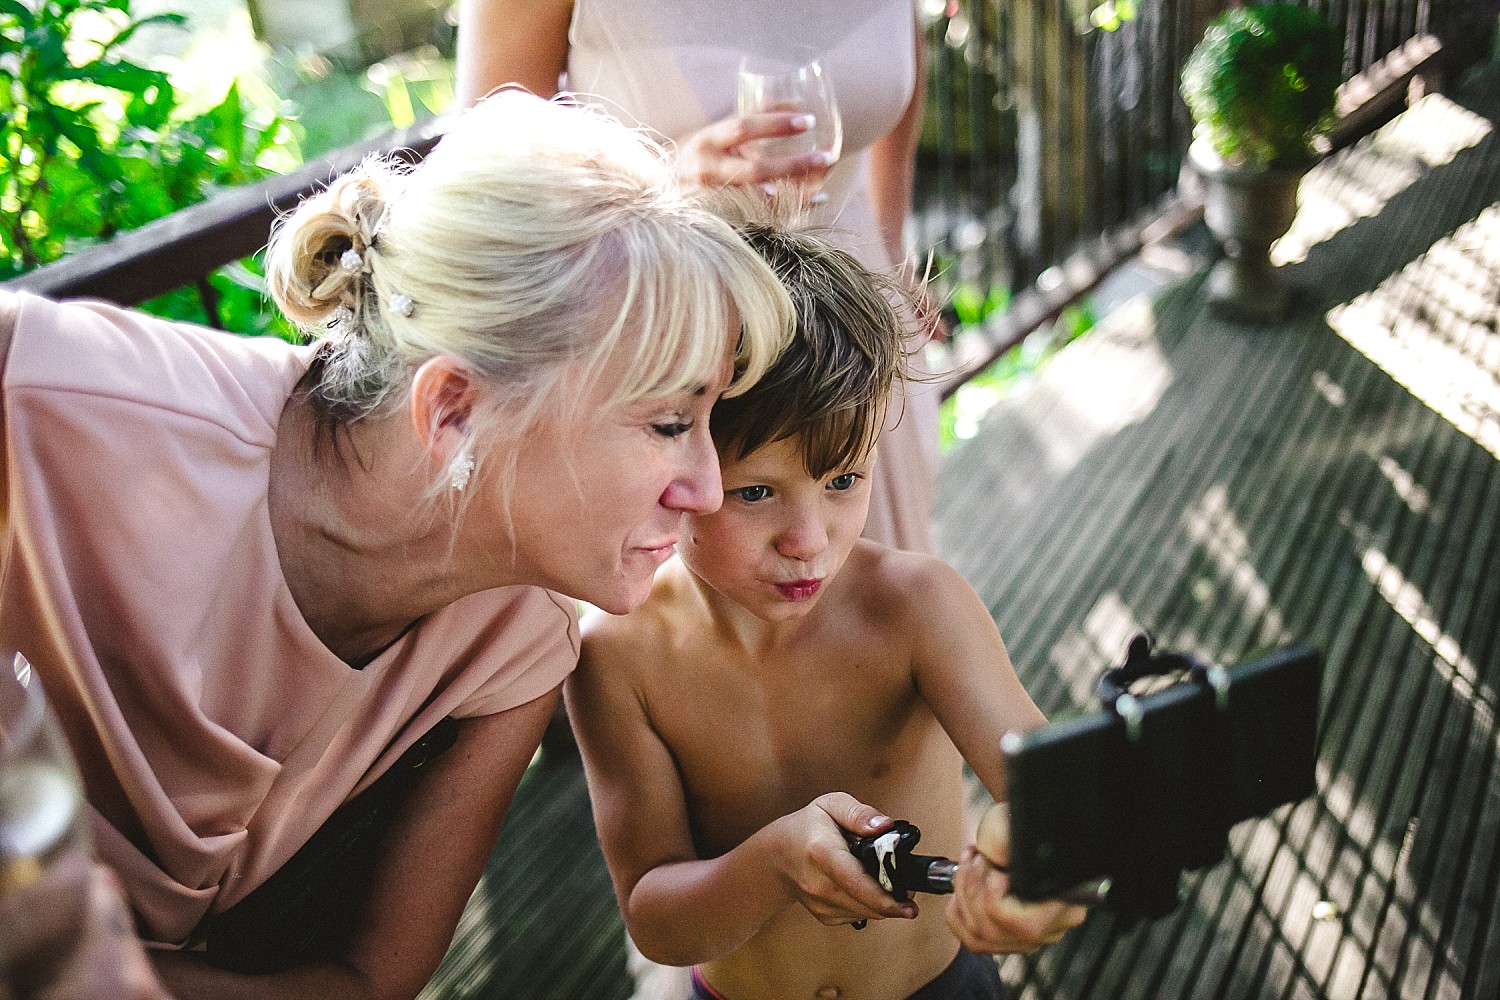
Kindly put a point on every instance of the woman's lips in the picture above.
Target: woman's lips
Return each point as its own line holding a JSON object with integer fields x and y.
{"x": 659, "y": 553}
{"x": 799, "y": 590}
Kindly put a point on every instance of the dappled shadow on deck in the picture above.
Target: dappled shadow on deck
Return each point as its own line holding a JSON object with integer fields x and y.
{"x": 1332, "y": 480}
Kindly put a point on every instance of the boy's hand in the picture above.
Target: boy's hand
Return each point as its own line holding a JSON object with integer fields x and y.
{"x": 983, "y": 914}
{"x": 818, "y": 869}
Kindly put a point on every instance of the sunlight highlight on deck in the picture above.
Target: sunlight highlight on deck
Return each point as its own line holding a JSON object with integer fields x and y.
{"x": 1434, "y": 327}
{"x": 1363, "y": 181}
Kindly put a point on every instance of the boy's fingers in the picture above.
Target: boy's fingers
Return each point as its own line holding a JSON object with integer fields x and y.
{"x": 855, "y": 892}
{"x": 852, "y": 814}
{"x": 987, "y": 918}
{"x": 993, "y": 838}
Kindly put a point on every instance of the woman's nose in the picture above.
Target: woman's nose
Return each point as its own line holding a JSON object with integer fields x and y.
{"x": 697, "y": 488}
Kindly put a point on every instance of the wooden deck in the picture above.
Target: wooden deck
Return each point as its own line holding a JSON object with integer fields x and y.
{"x": 1332, "y": 480}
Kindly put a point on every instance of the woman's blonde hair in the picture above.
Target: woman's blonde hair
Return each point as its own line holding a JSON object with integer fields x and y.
{"x": 530, "y": 244}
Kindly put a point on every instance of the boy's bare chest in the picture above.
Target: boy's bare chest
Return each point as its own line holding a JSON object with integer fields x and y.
{"x": 754, "y": 745}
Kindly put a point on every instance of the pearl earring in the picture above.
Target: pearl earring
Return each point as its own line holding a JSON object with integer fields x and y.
{"x": 460, "y": 471}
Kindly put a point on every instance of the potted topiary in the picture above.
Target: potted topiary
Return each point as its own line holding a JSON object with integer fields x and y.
{"x": 1260, "y": 87}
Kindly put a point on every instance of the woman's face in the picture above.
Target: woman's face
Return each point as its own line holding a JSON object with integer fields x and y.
{"x": 598, "y": 504}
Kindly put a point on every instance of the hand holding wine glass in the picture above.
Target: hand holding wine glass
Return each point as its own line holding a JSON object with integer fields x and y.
{"x": 42, "y": 815}
{"x": 799, "y": 85}
{"x": 64, "y": 927}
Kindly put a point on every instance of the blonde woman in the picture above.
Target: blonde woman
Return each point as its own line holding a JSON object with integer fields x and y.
{"x": 300, "y": 609}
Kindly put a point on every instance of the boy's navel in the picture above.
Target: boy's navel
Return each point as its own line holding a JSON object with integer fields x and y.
{"x": 829, "y": 993}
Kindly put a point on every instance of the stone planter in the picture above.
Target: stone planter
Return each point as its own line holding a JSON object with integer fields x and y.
{"x": 1247, "y": 209}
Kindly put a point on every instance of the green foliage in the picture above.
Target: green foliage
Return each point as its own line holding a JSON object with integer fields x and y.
{"x": 1261, "y": 84}
{"x": 94, "y": 144}
{"x": 972, "y": 306}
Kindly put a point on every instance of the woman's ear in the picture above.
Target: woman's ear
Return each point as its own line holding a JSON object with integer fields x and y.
{"x": 444, "y": 395}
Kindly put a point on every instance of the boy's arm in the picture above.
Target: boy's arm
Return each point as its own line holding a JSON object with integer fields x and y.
{"x": 681, "y": 909}
{"x": 964, "y": 673}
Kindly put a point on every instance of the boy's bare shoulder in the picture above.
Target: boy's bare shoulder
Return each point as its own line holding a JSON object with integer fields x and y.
{"x": 640, "y": 641}
{"x": 899, "y": 581}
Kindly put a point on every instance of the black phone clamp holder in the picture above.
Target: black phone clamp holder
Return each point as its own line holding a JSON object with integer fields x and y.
{"x": 887, "y": 857}
{"x": 1148, "y": 880}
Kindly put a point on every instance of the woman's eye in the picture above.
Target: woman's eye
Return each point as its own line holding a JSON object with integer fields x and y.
{"x": 751, "y": 494}
{"x": 844, "y": 482}
{"x": 672, "y": 429}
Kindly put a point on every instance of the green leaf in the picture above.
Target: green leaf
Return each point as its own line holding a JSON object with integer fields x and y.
{"x": 119, "y": 75}
{"x": 48, "y": 56}
{"x": 228, "y": 126}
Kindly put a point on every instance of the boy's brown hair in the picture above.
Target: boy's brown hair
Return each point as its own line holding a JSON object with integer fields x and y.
{"x": 830, "y": 388}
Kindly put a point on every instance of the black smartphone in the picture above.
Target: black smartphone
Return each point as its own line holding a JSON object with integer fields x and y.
{"x": 1154, "y": 784}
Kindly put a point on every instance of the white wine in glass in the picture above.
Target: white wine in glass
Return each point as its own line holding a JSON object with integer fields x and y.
{"x": 796, "y": 82}
{"x": 42, "y": 813}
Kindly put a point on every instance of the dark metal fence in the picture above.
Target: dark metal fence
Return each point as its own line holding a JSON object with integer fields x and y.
{"x": 1053, "y": 121}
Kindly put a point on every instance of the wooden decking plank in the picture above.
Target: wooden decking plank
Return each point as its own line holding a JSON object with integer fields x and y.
{"x": 1484, "y": 980}
{"x": 1480, "y": 884}
{"x": 1454, "y": 807}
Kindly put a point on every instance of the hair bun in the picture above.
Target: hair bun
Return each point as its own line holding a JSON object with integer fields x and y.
{"x": 310, "y": 269}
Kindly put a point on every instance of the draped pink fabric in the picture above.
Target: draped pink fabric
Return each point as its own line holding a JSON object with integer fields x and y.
{"x": 214, "y": 731}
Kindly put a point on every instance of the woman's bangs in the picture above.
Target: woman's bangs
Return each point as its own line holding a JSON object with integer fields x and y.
{"x": 681, "y": 318}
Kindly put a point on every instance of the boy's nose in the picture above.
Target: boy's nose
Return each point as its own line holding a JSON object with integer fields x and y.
{"x": 697, "y": 488}
{"x": 804, "y": 538}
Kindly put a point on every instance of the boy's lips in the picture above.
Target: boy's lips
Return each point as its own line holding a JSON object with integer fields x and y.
{"x": 799, "y": 590}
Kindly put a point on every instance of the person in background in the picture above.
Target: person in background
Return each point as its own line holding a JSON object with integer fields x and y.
{"x": 303, "y": 612}
{"x": 671, "y": 65}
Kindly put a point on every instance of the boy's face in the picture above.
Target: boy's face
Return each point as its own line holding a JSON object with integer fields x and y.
{"x": 781, "y": 535}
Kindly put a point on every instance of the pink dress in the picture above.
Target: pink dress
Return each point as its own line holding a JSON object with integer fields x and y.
{"x": 214, "y": 731}
{"x": 671, "y": 66}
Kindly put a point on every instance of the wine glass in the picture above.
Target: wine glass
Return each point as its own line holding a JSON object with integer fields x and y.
{"x": 796, "y": 81}
{"x": 42, "y": 813}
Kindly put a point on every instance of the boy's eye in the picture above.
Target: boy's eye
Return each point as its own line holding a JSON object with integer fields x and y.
{"x": 751, "y": 494}
{"x": 672, "y": 428}
{"x": 844, "y": 482}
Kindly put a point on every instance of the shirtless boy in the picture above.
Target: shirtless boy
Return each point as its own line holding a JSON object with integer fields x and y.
{"x": 783, "y": 674}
